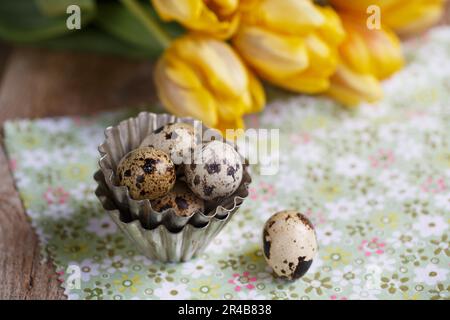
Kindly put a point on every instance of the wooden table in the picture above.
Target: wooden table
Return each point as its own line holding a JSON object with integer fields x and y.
{"x": 37, "y": 83}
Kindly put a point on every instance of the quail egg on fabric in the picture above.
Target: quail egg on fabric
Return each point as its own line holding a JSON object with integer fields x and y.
{"x": 148, "y": 173}
{"x": 175, "y": 139}
{"x": 217, "y": 172}
{"x": 289, "y": 243}
{"x": 181, "y": 199}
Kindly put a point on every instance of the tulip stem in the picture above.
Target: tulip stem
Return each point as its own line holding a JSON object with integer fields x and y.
{"x": 148, "y": 21}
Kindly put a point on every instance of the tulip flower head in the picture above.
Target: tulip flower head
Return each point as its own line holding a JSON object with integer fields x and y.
{"x": 367, "y": 56}
{"x": 294, "y": 44}
{"x": 290, "y": 43}
{"x": 404, "y": 17}
{"x": 204, "y": 78}
{"x": 351, "y": 88}
{"x": 376, "y": 52}
{"x": 218, "y": 18}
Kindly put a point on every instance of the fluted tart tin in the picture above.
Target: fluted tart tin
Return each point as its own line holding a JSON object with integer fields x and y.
{"x": 161, "y": 243}
{"x": 127, "y": 136}
{"x": 163, "y": 235}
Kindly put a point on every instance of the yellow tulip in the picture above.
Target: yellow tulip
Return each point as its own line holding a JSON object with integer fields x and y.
{"x": 218, "y": 18}
{"x": 376, "y": 52}
{"x": 350, "y": 87}
{"x": 367, "y": 56}
{"x": 204, "y": 78}
{"x": 290, "y": 43}
{"x": 403, "y": 16}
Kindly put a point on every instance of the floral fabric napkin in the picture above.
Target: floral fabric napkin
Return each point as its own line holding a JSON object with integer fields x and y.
{"x": 375, "y": 182}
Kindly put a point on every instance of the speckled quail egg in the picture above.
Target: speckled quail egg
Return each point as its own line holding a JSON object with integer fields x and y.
{"x": 175, "y": 139}
{"x": 289, "y": 243}
{"x": 181, "y": 199}
{"x": 148, "y": 173}
{"x": 216, "y": 171}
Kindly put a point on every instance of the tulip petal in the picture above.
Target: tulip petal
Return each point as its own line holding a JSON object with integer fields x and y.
{"x": 246, "y": 5}
{"x": 221, "y": 67}
{"x": 414, "y": 16}
{"x": 385, "y": 48}
{"x": 296, "y": 17}
{"x": 403, "y": 16}
{"x": 321, "y": 55}
{"x": 354, "y": 51}
{"x": 224, "y": 125}
{"x": 209, "y": 23}
{"x": 258, "y": 97}
{"x": 223, "y": 7}
{"x": 181, "y": 92}
{"x": 229, "y": 109}
{"x": 297, "y": 60}
{"x": 350, "y": 88}
{"x": 178, "y": 10}
{"x": 217, "y": 18}
{"x": 331, "y": 30}
{"x": 362, "y": 5}
{"x": 304, "y": 83}
{"x": 272, "y": 55}
{"x": 376, "y": 52}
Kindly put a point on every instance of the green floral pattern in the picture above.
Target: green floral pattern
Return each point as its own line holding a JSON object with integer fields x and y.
{"x": 375, "y": 182}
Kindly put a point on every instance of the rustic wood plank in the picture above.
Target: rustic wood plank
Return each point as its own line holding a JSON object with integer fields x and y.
{"x": 40, "y": 83}
{"x": 21, "y": 273}
{"x": 446, "y": 14}
{"x": 5, "y": 50}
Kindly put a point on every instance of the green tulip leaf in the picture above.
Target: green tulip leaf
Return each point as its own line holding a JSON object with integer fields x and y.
{"x": 28, "y": 21}
{"x": 136, "y": 23}
{"x": 93, "y": 39}
{"x": 126, "y": 27}
{"x": 55, "y": 8}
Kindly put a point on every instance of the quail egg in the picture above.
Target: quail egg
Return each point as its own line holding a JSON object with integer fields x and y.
{"x": 289, "y": 243}
{"x": 148, "y": 173}
{"x": 182, "y": 200}
{"x": 175, "y": 139}
{"x": 216, "y": 172}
